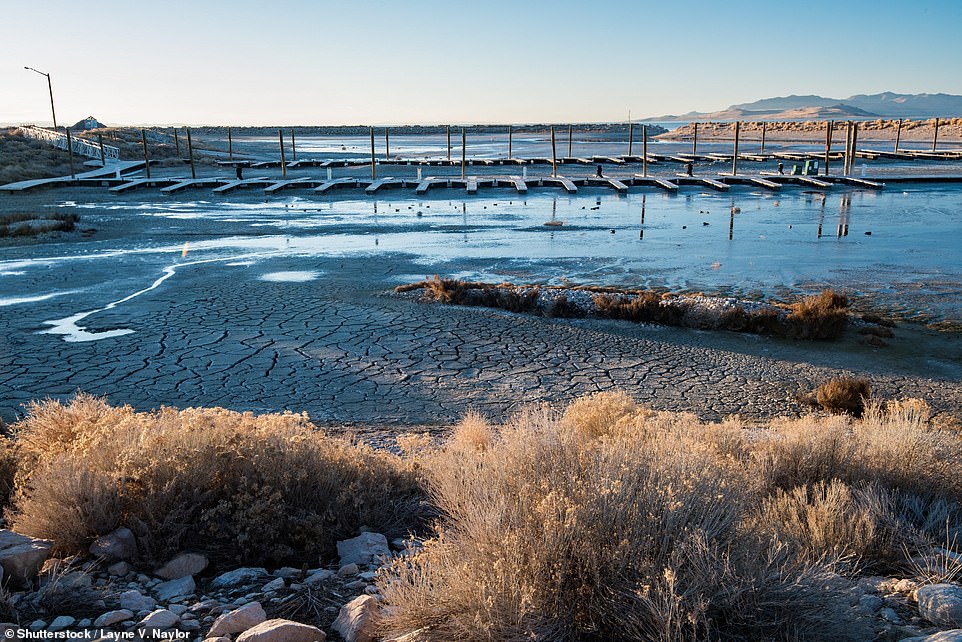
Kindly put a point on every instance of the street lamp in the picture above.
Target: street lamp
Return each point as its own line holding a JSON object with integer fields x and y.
{"x": 50, "y": 87}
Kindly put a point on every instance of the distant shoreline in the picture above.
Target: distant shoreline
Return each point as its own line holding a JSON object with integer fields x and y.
{"x": 950, "y": 131}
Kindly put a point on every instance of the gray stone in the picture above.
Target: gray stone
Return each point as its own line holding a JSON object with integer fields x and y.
{"x": 183, "y": 565}
{"x": 119, "y": 569}
{"x": 21, "y": 556}
{"x": 287, "y": 572}
{"x": 282, "y": 631}
{"x": 237, "y": 577}
{"x": 171, "y": 589}
{"x": 347, "y": 570}
{"x": 159, "y": 620}
{"x": 318, "y": 577}
{"x": 889, "y": 615}
{"x": 116, "y": 546}
{"x": 61, "y": 623}
{"x": 870, "y": 603}
{"x": 357, "y": 619}
{"x": 275, "y": 584}
{"x": 363, "y": 549}
{"x": 113, "y": 617}
{"x": 941, "y": 604}
{"x": 239, "y": 620}
{"x": 134, "y": 600}
{"x": 955, "y": 635}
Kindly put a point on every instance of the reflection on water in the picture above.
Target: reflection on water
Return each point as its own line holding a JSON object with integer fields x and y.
{"x": 899, "y": 247}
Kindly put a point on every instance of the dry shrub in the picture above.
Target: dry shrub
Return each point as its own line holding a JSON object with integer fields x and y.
{"x": 455, "y": 292}
{"x": 641, "y": 307}
{"x": 629, "y": 527}
{"x": 822, "y": 316}
{"x": 904, "y": 473}
{"x": 844, "y": 395}
{"x": 238, "y": 487}
{"x": 598, "y": 414}
{"x": 825, "y": 519}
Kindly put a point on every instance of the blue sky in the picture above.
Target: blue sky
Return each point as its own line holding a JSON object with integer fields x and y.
{"x": 424, "y": 61}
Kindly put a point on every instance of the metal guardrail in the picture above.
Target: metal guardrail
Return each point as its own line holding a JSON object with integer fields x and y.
{"x": 80, "y": 146}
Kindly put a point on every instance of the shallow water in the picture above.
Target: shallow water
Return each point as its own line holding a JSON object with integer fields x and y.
{"x": 898, "y": 247}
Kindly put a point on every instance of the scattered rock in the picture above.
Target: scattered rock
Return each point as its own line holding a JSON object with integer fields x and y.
{"x": 183, "y": 565}
{"x": 320, "y": 576}
{"x": 955, "y": 635}
{"x": 113, "y": 617}
{"x": 119, "y": 569}
{"x": 357, "y": 619}
{"x": 275, "y": 584}
{"x": 61, "y": 623}
{"x": 941, "y": 604}
{"x": 363, "y": 549}
{"x": 134, "y": 600}
{"x": 167, "y": 591}
{"x": 347, "y": 570}
{"x": 239, "y": 620}
{"x": 282, "y": 631}
{"x": 116, "y": 546}
{"x": 159, "y": 620}
{"x": 870, "y": 603}
{"x": 244, "y": 575}
{"x": 21, "y": 556}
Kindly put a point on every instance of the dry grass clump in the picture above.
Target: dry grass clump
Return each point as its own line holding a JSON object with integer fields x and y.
{"x": 23, "y": 224}
{"x": 23, "y": 159}
{"x": 821, "y": 316}
{"x": 608, "y": 522}
{"x": 643, "y": 307}
{"x": 239, "y": 487}
{"x": 844, "y": 395}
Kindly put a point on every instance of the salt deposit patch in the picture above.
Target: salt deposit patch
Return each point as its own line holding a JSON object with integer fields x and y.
{"x": 291, "y": 277}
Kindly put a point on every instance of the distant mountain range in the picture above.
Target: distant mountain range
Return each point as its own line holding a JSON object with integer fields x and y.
{"x": 860, "y": 106}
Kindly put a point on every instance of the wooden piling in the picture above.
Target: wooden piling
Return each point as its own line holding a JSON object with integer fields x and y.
{"x": 851, "y": 164}
{"x": 70, "y": 150}
{"x": 764, "y": 127}
{"x": 190, "y": 154}
{"x": 103, "y": 156}
{"x": 830, "y": 126}
{"x": 898, "y": 136}
{"x": 293, "y": 146}
{"x": 554, "y": 156}
{"x": 935, "y": 139}
{"x": 280, "y": 140}
{"x": 644, "y": 150}
{"x": 373, "y": 170}
{"x": 631, "y": 131}
{"x": 449, "y": 143}
{"x": 694, "y": 140}
{"x": 735, "y": 155}
{"x": 569, "y": 141}
{"x": 230, "y": 144}
{"x": 143, "y": 140}
{"x": 387, "y": 144}
{"x": 510, "y": 133}
{"x": 848, "y": 149}
{"x": 464, "y": 151}
{"x": 177, "y": 141}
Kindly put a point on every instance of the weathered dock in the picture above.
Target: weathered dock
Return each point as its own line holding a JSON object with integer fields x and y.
{"x": 260, "y": 181}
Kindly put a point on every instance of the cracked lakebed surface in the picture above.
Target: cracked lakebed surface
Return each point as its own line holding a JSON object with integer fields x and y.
{"x": 269, "y": 324}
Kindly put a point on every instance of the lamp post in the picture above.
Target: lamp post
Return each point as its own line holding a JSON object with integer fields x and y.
{"x": 50, "y": 87}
